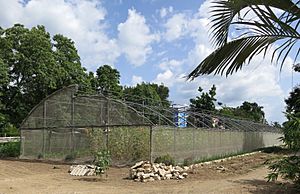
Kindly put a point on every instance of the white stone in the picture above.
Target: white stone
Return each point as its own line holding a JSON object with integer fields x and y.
{"x": 161, "y": 172}
{"x": 156, "y": 177}
{"x": 186, "y": 168}
{"x": 168, "y": 176}
{"x": 180, "y": 177}
{"x": 155, "y": 170}
{"x": 185, "y": 174}
{"x": 138, "y": 164}
{"x": 148, "y": 175}
{"x": 139, "y": 174}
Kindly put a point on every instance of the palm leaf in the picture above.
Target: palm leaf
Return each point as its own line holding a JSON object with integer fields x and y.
{"x": 224, "y": 11}
{"x": 256, "y": 36}
{"x": 231, "y": 56}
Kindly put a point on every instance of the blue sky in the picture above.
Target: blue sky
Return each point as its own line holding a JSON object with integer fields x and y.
{"x": 154, "y": 41}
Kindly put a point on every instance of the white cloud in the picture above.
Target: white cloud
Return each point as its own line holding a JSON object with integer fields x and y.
{"x": 167, "y": 78}
{"x": 204, "y": 9}
{"x": 135, "y": 38}
{"x": 176, "y": 26}
{"x": 165, "y": 11}
{"x": 257, "y": 82}
{"x": 171, "y": 64}
{"x": 82, "y": 21}
{"x": 136, "y": 80}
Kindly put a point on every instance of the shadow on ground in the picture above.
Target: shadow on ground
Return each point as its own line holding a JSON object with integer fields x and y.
{"x": 264, "y": 187}
{"x": 92, "y": 179}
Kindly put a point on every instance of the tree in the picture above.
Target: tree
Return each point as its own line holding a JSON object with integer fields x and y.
{"x": 146, "y": 93}
{"x": 163, "y": 93}
{"x": 3, "y": 84}
{"x": 32, "y": 68}
{"x": 289, "y": 167}
{"x": 276, "y": 124}
{"x": 268, "y": 28}
{"x": 68, "y": 60}
{"x": 251, "y": 111}
{"x": 293, "y": 102}
{"x": 107, "y": 81}
{"x": 36, "y": 68}
{"x": 205, "y": 102}
{"x": 148, "y": 97}
{"x": 248, "y": 110}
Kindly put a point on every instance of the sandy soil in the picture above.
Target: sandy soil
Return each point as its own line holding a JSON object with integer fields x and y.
{"x": 242, "y": 175}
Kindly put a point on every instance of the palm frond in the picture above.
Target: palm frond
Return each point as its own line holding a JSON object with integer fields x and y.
{"x": 256, "y": 35}
{"x": 224, "y": 11}
{"x": 231, "y": 56}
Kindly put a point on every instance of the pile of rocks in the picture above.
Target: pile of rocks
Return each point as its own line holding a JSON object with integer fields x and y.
{"x": 146, "y": 171}
{"x": 82, "y": 170}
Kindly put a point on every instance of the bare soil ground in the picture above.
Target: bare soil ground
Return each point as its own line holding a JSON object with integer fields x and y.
{"x": 241, "y": 175}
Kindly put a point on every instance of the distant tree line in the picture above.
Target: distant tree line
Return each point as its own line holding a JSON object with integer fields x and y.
{"x": 33, "y": 65}
{"x": 206, "y": 102}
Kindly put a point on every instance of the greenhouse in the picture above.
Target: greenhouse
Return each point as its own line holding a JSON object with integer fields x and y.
{"x": 70, "y": 126}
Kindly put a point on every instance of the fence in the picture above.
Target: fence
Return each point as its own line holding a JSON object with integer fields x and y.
{"x": 197, "y": 144}
{"x": 126, "y": 144}
{"x": 68, "y": 126}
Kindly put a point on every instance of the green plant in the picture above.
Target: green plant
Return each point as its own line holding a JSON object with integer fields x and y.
{"x": 188, "y": 161}
{"x": 252, "y": 36}
{"x": 288, "y": 167}
{"x": 70, "y": 156}
{"x": 291, "y": 131}
{"x": 166, "y": 159}
{"x": 102, "y": 161}
{"x": 11, "y": 149}
{"x": 10, "y": 130}
{"x": 40, "y": 156}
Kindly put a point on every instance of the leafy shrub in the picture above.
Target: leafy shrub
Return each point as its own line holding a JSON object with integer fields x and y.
{"x": 70, "y": 157}
{"x": 166, "y": 159}
{"x": 188, "y": 161}
{"x": 10, "y": 130}
{"x": 291, "y": 131}
{"x": 102, "y": 161}
{"x": 11, "y": 149}
{"x": 288, "y": 168}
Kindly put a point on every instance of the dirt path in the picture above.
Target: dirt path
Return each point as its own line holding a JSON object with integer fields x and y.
{"x": 244, "y": 175}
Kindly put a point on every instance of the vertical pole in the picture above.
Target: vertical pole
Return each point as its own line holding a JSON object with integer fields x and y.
{"x": 107, "y": 124}
{"x": 193, "y": 143}
{"x": 174, "y": 141}
{"x": 22, "y": 140}
{"x": 44, "y": 127}
{"x": 151, "y": 143}
{"x": 72, "y": 123}
{"x": 143, "y": 111}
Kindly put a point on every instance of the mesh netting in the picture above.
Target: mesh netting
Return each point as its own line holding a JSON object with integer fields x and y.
{"x": 197, "y": 144}
{"x": 65, "y": 126}
{"x": 68, "y": 126}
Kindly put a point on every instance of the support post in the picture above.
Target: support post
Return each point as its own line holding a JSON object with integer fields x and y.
{"x": 72, "y": 123}
{"x": 44, "y": 127}
{"x": 107, "y": 124}
{"x": 151, "y": 144}
{"x": 174, "y": 141}
{"x": 193, "y": 143}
